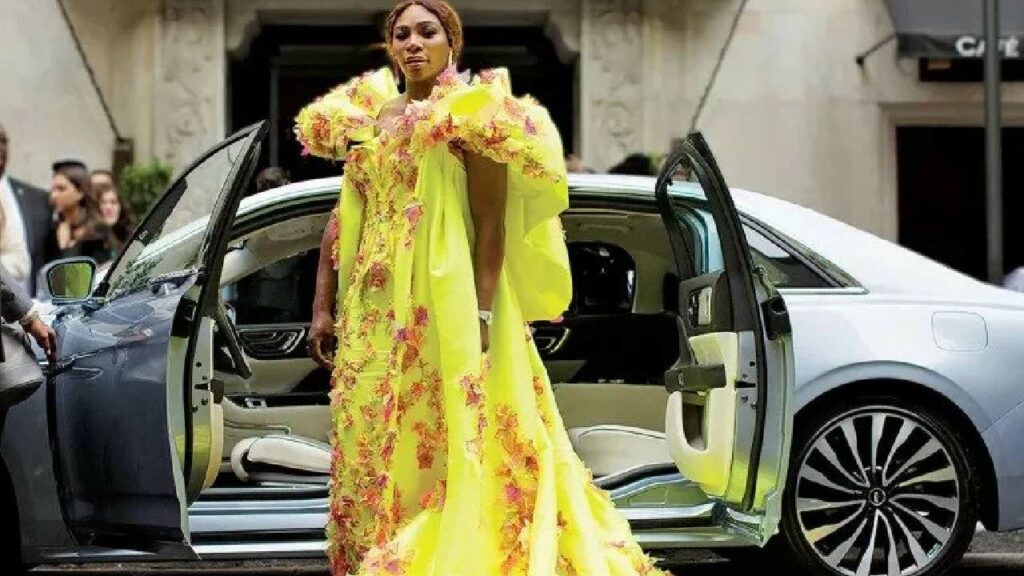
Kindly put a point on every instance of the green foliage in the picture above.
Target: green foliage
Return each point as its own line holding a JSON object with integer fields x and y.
{"x": 142, "y": 184}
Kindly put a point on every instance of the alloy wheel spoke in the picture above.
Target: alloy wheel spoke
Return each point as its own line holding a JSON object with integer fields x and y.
{"x": 825, "y": 448}
{"x": 813, "y": 475}
{"x": 843, "y": 549}
{"x": 864, "y": 568}
{"x": 945, "y": 474}
{"x": 850, "y": 433}
{"x": 828, "y": 529}
{"x": 817, "y": 504}
{"x": 892, "y": 556}
{"x": 906, "y": 429}
{"x": 916, "y": 551}
{"x": 930, "y": 448}
{"x": 938, "y": 532}
{"x": 949, "y": 503}
{"x": 877, "y": 425}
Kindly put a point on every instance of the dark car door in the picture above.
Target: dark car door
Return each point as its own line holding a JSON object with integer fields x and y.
{"x": 131, "y": 403}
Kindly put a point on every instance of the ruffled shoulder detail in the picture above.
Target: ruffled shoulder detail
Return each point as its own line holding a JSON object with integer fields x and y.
{"x": 346, "y": 114}
{"x": 485, "y": 117}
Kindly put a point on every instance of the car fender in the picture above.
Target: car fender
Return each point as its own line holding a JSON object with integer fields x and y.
{"x": 899, "y": 373}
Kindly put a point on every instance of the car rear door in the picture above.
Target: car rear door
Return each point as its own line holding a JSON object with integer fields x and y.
{"x": 132, "y": 408}
{"x": 729, "y": 415}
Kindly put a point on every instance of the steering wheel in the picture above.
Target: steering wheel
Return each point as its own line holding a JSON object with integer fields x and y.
{"x": 231, "y": 339}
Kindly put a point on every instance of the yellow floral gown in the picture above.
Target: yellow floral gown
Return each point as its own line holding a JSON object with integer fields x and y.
{"x": 449, "y": 461}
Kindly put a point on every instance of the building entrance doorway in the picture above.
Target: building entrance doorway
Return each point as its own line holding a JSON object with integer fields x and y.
{"x": 941, "y": 182}
{"x": 287, "y": 67}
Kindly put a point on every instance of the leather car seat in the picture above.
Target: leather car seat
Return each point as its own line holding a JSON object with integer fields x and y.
{"x": 608, "y": 448}
{"x": 281, "y": 458}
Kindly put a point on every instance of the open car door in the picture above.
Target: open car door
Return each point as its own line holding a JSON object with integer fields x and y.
{"x": 729, "y": 416}
{"x": 133, "y": 411}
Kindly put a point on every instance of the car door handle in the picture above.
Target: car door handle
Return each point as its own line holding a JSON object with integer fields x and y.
{"x": 58, "y": 367}
{"x": 549, "y": 339}
{"x": 695, "y": 378}
{"x": 269, "y": 343}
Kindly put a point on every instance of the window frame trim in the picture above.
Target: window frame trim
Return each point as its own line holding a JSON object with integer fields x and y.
{"x": 797, "y": 250}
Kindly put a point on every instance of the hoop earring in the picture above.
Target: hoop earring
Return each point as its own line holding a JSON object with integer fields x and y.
{"x": 451, "y": 58}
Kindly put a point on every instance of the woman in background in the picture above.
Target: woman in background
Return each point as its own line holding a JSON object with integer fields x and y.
{"x": 116, "y": 215}
{"x": 80, "y": 230}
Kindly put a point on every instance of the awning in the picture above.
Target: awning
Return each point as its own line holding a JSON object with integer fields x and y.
{"x": 954, "y": 28}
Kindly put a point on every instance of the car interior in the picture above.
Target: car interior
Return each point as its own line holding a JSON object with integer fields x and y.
{"x": 606, "y": 357}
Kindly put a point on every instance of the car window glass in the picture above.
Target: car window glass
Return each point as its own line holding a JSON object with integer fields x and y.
{"x": 174, "y": 231}
{"x": 281, "y": 293}
{"x": 784, "y": 269}
{"x": 603, "y": 277}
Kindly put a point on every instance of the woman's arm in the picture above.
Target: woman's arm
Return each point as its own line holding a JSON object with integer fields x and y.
{"x": 488, "y": 188}
{"x": 321, "y": 329}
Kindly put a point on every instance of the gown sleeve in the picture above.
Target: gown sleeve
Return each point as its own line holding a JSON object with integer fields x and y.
{"x": 484, "y": 117}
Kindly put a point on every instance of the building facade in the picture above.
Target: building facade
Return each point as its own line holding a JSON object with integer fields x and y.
{"x": 791, "y": 114}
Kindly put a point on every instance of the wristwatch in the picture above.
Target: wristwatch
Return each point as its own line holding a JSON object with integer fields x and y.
{"x": 487, "y": 316}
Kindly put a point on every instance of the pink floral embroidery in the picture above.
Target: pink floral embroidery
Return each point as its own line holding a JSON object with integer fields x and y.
{"x": 377, "y": 277}
{"x": 517, "y": 472}
{"x": 434, "y": 499}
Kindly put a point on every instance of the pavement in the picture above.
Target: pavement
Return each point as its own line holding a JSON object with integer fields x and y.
{"x": 991, "y": 554}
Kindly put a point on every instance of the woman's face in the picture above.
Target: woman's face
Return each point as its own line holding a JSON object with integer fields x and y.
{"x": 419, "y": 44}
{"x": 63, "y": 194}
{"x": 110, "y": 207}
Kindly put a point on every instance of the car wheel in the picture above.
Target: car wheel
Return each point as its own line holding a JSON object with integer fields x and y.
{"x": 879, "y": 487}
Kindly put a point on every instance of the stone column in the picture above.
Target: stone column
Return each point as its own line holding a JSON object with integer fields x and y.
{"x": 191, "y": 83}
{"x": 611, "y": 76}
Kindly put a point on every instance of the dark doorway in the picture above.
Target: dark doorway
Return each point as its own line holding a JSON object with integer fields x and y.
{"x": 941, "y": 179}
{"x": 288, "y": 66}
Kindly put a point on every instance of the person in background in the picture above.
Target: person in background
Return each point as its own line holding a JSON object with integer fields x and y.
{"x": 80, "y": 231}
{"x": 113, "y": 212}
{"x": 637, "y": 164}
{"x": 28, "y": 215}
{"x": 272, "y": 177}
{"x": 1015, "y": 280}
{"x": 16, "y": 306}
{"x": 14, "y": 256}
{"x": 574, "y": 164}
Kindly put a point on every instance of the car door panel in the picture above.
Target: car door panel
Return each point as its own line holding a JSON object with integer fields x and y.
{"x": 130, "y": 399}
{"x": 120, "y": 358}
{"x": 727, "y": 417}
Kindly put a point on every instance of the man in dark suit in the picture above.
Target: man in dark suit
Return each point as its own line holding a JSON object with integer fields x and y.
{"x": 34, "y": 212}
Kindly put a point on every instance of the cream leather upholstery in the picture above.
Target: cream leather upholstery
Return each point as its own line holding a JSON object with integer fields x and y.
{"x": 607, "y": 448}
{"x": 281, "y": 458}
{"x": 701, "y": 438}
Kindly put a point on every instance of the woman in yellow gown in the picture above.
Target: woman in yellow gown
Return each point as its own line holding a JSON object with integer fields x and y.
{"x": 450, "y": 458}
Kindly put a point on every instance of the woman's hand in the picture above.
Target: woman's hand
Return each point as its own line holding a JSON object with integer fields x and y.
{"x": 44, "y": 336}
{"x": 322, "y": 340}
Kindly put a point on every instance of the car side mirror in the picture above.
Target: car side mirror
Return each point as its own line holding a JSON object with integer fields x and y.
{"x": 70, "y": 279}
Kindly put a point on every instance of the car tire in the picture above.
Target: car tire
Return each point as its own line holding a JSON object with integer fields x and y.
{"x": 920, "y": 490}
